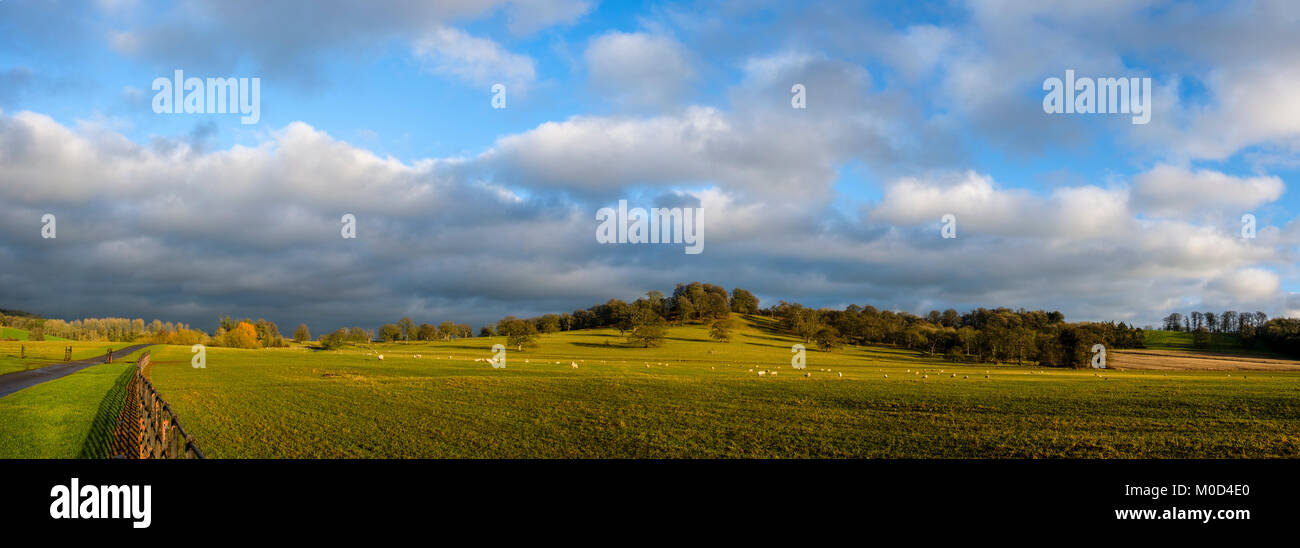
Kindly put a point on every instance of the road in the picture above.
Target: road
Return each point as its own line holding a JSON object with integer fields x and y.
{"x": 14, "y": 382}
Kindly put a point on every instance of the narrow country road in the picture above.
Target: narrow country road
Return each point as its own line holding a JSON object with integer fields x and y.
{"x": 14, "y": 382}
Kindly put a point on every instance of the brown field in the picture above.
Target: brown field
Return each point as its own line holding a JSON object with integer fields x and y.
{"x": 1166, "y": 360}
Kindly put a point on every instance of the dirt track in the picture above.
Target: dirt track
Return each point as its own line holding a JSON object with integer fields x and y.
{"x": 1173, "y": 360}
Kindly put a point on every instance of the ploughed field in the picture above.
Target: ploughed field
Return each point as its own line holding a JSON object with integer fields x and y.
{"x": 697, "y": 398}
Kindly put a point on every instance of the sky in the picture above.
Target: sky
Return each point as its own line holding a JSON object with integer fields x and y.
{"x": 384, "y": 110}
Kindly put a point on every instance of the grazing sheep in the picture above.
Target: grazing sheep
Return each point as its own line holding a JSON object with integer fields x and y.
{"x": 807, "y": 374}
{"x": 774, "y": 373}
{"x": 381, "y": 357}
{"x": 573, "y": 365}
{"x": 954, "y": 375}
{"x": 761, "y": 373}
{"x": 886, "y": 375}
{"x": 842, "y": 374}
{"x": 925, "y": 376}
{"x": 965, "y": 377}
{"x": 986, "y": 376}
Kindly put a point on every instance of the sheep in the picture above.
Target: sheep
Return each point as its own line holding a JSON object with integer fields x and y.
{"x": 761, "y": 373}
{"x": 573, "y": 365}
{"x": 964, "y": 377}
{"x": 886, "y": 375}
{"x": 807, "y": 375}
{"x": 954, "y": 375}
{"x": 381, "y": 357}
{"x": 925, "y": 376}
{"x": 986, "y": 376}
{"x": 842, "y": 374}
{"x": 774, "y": 373}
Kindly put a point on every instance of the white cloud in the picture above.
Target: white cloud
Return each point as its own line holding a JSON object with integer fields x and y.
{"x": 453, "y": 52}
{"x": 527, "y": 16}
{"x": 639, "y": 69}
{"x": 1178, "y": 192}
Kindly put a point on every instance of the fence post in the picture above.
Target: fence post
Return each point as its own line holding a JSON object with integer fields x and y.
{"x": 110, "y": 355}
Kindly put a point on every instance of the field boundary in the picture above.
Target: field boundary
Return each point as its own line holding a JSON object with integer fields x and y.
{"x": 148, "y": 420}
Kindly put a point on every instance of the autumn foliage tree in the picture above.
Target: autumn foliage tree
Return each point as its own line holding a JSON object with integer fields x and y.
{"x": 243, "y": 335}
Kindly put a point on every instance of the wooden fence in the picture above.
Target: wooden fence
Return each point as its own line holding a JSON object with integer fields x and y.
{"x": 161, "y": 434}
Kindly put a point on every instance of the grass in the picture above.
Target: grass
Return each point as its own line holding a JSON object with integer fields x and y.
{"x": 43, "y": 353}
{"x": 67, "y": 417}
{"x": 698, "y": 398}
{"x": 1221, "y": 343}
{"x": 22, "y": 335}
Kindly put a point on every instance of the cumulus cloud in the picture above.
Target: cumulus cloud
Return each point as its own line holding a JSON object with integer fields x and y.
{"x": 638, "y": 68}
{"x": 1180, "y": 192}
{"x": 453, "y": 52}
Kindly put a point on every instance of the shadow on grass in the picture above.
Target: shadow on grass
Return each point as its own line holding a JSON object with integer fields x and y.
{"x": 99, "y": 440}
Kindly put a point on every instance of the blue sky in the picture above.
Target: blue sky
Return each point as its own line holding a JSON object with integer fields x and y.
{"x": 913, "y": 110}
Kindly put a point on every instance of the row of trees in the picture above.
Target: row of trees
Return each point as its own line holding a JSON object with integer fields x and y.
{"x": 641, "y": 320}
{"x": 985, "y": 335}
{"x": 644, "y": 321}
{"x": 1231, "y": 321}
{"x": 406, "y": 330}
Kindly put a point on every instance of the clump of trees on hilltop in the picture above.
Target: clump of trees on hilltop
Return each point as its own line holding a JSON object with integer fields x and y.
{"x": 1251, "y": 329}
{"x": 644, "y": 321}
{"x": 983, "y": 335}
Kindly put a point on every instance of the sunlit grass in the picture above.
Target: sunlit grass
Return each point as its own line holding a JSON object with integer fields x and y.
{"x": 698, "y": 398}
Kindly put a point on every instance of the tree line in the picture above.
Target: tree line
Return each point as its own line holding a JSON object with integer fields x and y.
{"x": 1251, "y": 329}
{"x": 643, "y": 322}
{"x": 997, "y": 335}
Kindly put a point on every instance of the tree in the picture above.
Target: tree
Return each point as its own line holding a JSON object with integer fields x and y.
{"x": 549, "y": 323}
{"x": 648, "y": 328}
{"x": 244, "y": 335}
{"x": 1201, "y": 338}
{"x": 518, "y": 332}
{"x": 334, "y": 340}
{"x": 426, "y": 332}
{"x": 448, "y": 329}
{"x": 487, "y": 331}
{"x": 720, "y": 330}
{"x": 407, "y": 328}
{"x": 827, "y": 338}
{"x": 390, "y": 332}
{"x": 302, "y": 334}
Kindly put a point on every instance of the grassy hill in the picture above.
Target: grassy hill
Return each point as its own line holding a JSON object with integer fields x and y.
{"x": 694, "y": 398}
{"x": 22, "y": 335}
{"x": 1224, "y": 343}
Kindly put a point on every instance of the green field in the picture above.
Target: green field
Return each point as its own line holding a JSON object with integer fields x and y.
{"x": 1220, "y": 343}
{"x": 67, "y": 417}
{"x": 698, "y": 398}
{"x": 43, "y": 353}
{"x": 19, "y": 334}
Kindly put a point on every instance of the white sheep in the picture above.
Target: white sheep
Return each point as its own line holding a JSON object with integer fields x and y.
{"x": 573, "y": 365}
{"x": 381, "y": 357}
{"x": 761, "y": 373}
